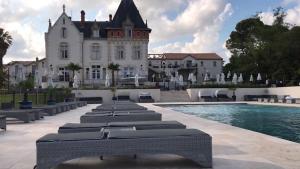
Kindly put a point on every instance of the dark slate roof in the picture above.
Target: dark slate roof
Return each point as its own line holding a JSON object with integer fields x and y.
{"x": 87, "y": 29}
{"x": 128, "y": 9}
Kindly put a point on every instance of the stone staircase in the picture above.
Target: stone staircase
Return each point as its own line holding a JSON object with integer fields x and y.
{"x": 174, "y": 96}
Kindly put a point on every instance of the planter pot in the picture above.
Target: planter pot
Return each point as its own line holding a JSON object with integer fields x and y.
{"x": 51, "y": 102}
{"x": 114, "y": 98}
{"x": 25, "y": 104}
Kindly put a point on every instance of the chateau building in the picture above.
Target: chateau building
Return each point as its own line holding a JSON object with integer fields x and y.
{"x": 185, "y": 63}
{"x": 93, "y": 45}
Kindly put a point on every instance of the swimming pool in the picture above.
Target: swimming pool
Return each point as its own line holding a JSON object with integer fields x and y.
{"x": 278, "y": 121}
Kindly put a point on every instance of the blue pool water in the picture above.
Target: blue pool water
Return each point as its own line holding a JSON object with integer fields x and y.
{"x": 282, "y": 122}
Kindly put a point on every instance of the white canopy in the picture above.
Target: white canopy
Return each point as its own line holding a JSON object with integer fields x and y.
{"x": 258, "y": 77}
{"x": 194, "y": 79}
{"x": 107, "y": 80}
{"x": 218, "y": 78}
{"x": 251, "y": 78}
{"x": 223, "y": 78}
{"x": 234, "y": 78}
{"x": 240, "y": 80}
{"x": 228, "y": 75}
{"x": 136, "y": 80}
{"x": 76, "y": 81}
{"x": 181, "y": 80}
{"x": 221, "y": 92}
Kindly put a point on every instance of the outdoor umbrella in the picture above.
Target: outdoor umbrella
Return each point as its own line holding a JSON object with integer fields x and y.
{"x": 194, "y": 79}
{"x": 136, "y": 80}
{"x": 218, "y": 79}
{"x": 36, "y": 80}
{"x": 107, "y": 82}
{"x": 50, "y": 79}
{"x": 206, "y": 78}
{"x": 181, "y": 80}
{"x": 251, "y": 78}
{"x": 258, "y": 77}
{"x": 240, "y": 80}
{"x": 75, "y": 81}
{"x": 234, "y": 78}
{"x": 223, "y": 78}
{"x": 228, "y": 75}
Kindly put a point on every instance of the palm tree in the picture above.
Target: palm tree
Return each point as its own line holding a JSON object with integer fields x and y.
{"x": 113, "y": 67}
{"x": 5, "y": 43}
{"x": 73, "y": 67}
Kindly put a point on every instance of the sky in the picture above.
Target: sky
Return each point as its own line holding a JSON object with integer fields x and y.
{"x": 190, "y": 26}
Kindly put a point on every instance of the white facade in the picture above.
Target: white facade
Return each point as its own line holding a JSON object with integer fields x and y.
{"x": 94, "y": 45}
{"x": 186, "y": 64}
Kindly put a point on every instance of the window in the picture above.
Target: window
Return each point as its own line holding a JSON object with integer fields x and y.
{"x": 95, "y": 52}
{"x": 64, "y": 33}
{"x": 64, "y": 51}
{"x": 201, "y": 63}
{"x": 136, "y": 53}
{"x": 104, "y": 73}
{"x": 125, "y": 72}
{"x": 64, "y": 21}
{"x": 128, "y": 31}
{"x": 215, "y": 64}
{"x": 96, "y": 72}
{"x": 87, "y": 73}
{"x": 120, "y": 54}
{"x": 96, "y": 33}
{"x": 64, "y": 75}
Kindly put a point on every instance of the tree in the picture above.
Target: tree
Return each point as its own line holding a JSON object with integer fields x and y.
{"x": 73, "y": 67}
{"x": 5, "y": 43}
{"x": 272, "y": 50}
{"x": 113, "y": 67}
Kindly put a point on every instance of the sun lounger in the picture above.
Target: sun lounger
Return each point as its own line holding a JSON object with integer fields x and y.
{"x": 3, "y": 122}
{"x": 121, "y": 117}
{"x": 50, "y": 110}
{"x": 139, "y": 125}
{"x": 25, "y": 115}
{"x": 54, "y": 149}
{"x": 122, "y": 112}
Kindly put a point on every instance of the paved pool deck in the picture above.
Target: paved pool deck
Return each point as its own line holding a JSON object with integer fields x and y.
{"x": 233, "y": 148}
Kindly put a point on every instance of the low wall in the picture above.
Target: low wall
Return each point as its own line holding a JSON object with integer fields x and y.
{"x": 240, "y": 92}
{"x": 107, "y": 94}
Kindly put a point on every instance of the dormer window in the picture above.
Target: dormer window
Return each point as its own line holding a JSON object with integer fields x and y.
{"x": 95, "y": 30}
{"x": 64, "y": 21}
{"x": 96, "y": 33}
{"x": 128, "y": 32}
{"x": 64, "y": 33}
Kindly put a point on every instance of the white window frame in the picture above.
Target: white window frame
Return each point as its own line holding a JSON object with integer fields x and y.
{"x": 137, "y": 53}
{"x": 120, "y": 53}
{"x": 64, "y": 50}
{"x": 64, "y": 32}
{"x": 64, "y": 74}
{"x": 95, "y": 51}
{"x": 96, "y": 72}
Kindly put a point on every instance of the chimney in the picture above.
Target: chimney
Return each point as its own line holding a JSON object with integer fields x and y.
{"x": 49, "y": 25}
{"x": 110, "y": 17}
{"x": 82, "y": 18}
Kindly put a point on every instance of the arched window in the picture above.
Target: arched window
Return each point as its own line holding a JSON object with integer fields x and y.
{"x": 64, "y": 53}
{"x": 64, "y": 33}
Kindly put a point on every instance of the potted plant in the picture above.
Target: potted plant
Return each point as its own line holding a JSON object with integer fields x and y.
{"x": 26, "y": 86}
{"x": 233, "y": 89}
{"x": 114, "y": 90}
{"x": 74, "y": 68}
{"x": 51, "y": 92}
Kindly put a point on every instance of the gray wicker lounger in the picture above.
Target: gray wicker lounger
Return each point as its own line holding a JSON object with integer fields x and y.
{"x": 118, "y": 112}
{"x": 139, "y": 125}
{"x": 106, "y": 118}
{"x": 54, "y": 149}
{"x": 50, "y": 110}
{"x": 3, "y": 122}
{"x": 25, "y": 115}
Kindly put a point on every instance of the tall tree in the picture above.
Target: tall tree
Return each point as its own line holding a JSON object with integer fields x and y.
{"x": 73, "y": 67}
{"x": 272, "y": 50}
{"x": 5, "y": 43}
{"x": 113, "y": 67}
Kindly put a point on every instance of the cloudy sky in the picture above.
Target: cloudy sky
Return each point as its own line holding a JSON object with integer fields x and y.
{"x": 178, "y": 25}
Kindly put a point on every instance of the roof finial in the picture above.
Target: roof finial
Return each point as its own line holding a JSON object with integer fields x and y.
{"x": 64, "y": 8}
{"x": 146, "y": 23}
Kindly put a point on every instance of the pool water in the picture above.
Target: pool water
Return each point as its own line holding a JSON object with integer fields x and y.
{"x": 282, "y": 122}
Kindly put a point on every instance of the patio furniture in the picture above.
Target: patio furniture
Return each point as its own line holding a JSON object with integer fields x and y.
{"x": 118, "y": 112}
{"x": 54, "y": 149}
{"x": 139, "y": 125}
{"x": 121, "y": 117}
{"x": 3, "y": 122}
{"x": 205, "y": 96}
{"x": 222, "y": 96}
{"x": 25, "y": 115}
{"x": 145, "y": 98}
{"x": 50, "y": 110}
